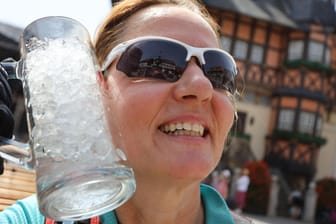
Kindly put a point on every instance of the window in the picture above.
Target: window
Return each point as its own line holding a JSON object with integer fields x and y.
{"x": 319, "y": 125}
{"x": 327, "y": 57}
{"x": 226, "y": 43}
{"x": 315, "y": 51}
{"x": 286, "y": 119}
{"x": 306, "y": 122}
{"x": 295, "y": 49}
{"x": 240, "y": 49}
{"x": 240, "y": 123}
{"x": 257, "y": 52}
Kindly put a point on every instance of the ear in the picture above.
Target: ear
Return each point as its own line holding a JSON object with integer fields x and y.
{"x": 102, "y": 81}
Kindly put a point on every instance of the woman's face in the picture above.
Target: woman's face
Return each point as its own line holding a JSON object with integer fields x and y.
{"x": 138, "y": 109}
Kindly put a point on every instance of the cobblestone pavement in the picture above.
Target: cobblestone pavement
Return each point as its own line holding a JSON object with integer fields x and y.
{"x": 259, "y": 219}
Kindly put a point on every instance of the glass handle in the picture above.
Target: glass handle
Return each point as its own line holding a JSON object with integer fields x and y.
{"x": 15, "y": 152}
{"x": 12, "y": 67}
{"x": 11, "y": 150}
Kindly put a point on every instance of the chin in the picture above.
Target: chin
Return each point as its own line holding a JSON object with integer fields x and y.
{"x": 189, "y": 170}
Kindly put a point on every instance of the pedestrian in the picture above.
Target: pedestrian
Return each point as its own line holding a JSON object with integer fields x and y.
{"x": 168, "y": 91}
{"x": 222, "y": 183}
{"x": 243, "y": 182}
{"x": 296, "y": 203}
{"x": 214, "y": 178}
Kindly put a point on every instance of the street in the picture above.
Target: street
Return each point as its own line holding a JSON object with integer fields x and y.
{"x": 259, "y": 219}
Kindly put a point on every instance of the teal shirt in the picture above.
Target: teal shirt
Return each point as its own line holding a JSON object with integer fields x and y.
{"x": 26, "y": 211}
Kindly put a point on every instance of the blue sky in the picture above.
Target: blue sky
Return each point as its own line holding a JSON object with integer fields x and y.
{"x": 20, "y": 13}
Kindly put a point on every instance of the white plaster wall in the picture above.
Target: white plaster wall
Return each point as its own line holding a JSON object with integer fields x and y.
{"x": 258, "y": 129}
{"x": 326, "y": 162}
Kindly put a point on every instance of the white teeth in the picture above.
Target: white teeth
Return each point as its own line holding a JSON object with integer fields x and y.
{"x": 179, "y": 126}
{"x": 195, "y": 127}
{"x": 165, "y": 128}
{"x": 172, "y": 127}
{"x": 186, "y": 128}
{"x": 201, "y": 130}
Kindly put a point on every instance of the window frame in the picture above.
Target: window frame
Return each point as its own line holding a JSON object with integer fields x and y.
{"x": 295, "y": 49}
{"x": 240, "y": 49}
{"x": 226, "y": 42}
{"x": 286, "y": 122}
{"x": 315, "y": 51}
{"x": 257, "y": 50}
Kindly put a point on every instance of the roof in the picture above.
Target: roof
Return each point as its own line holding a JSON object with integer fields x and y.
{"x": 10, "y": 32}
{"x": 9, "y": 41}
{"x": 267, "y": 10}
{"x": 290, "y": 13}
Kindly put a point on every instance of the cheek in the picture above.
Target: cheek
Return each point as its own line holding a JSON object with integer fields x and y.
{"x": 224, "y": 111}
{"x": 130, "y": 112}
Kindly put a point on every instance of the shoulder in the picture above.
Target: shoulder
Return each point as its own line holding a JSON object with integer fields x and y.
{"x": 216, "y": 209}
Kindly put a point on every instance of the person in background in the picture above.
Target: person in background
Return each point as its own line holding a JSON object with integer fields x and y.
{"x": 226, "y": 179}
{"x": 242, "y": 186}
{"x": 221, "y": 183}
{"x": 214, "y": 178}
{"x": 169, "y": 94}
{"x": 296, "y": 203}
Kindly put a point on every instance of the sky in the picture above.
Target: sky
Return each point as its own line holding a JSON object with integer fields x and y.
{"x": 21, "y": 13}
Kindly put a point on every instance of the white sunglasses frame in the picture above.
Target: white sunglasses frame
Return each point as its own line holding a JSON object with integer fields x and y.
{"x": 192, "y": 51}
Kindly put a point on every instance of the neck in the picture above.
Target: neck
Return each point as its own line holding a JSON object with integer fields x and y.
{"x": 164, "y": 204}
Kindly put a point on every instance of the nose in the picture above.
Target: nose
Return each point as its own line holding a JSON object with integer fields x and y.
{"x": 193, "y": 85}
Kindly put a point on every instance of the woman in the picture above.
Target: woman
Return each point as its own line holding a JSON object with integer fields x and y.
{"x": 222, "y": 183}
{"x": 168, "y": 93}
{"x": 243, "y": 183}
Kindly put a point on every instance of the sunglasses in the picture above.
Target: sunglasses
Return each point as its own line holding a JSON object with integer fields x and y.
{"x": 166, "y": 59}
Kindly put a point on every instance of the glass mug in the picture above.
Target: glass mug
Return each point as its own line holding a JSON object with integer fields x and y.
{"x": 79, "y": 172}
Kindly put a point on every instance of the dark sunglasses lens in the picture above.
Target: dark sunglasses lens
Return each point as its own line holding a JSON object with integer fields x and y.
{"x": 154, "y": 59}
{"x": 220, "y": 70}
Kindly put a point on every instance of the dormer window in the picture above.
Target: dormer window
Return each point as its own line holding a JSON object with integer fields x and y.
{"x": 313, "y": 51}
{"x": 295, "y": 49}
{"x": 240, "y": 49}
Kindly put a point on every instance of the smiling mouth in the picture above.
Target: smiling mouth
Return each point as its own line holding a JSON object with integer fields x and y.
{"x": 184, "y": 129}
